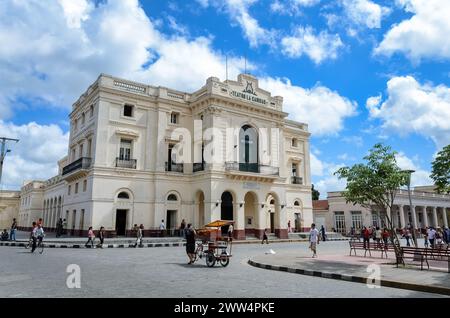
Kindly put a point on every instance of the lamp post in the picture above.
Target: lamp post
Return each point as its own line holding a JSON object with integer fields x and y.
{"x": 4, "y": 151}
{"x": 409, "y": 172}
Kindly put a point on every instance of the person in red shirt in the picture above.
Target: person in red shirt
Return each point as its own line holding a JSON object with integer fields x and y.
{"x": 385, "y": 237}
{"x": 366, "y": 237}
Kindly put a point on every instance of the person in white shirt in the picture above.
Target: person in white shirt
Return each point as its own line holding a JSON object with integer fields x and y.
{"x": 313, "y": 239}
{"x": 162, "y": 227}
{"x": 431, "y": 236}
{"x": 38, "y": 235}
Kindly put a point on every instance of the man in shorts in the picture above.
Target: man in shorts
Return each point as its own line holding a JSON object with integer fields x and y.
{"x": 313, "y": 239}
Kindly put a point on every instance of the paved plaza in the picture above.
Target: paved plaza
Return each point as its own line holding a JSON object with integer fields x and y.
{"x": 163, "y": 272}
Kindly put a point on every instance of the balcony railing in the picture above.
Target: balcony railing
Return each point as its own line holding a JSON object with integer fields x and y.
{"x": 297, "y": 180}
{"x": 251, "y": 167}
{"x": 82, "y": 163}
{"x": 198, "y": 166}
{"x": 126, "y": 163}
{"x": 175, "y": 167}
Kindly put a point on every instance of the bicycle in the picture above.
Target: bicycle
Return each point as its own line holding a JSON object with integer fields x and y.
{"x": 198, "y": 251}
{"x": 29, "y": 243}
{"x": 40, "y": 245}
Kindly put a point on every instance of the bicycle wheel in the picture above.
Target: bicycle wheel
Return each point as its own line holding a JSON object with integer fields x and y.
{"x": 210, "y": 259}
{"x": 27, "y": 245}
{"x": 224, "y": 259}
{"x": 41, "y": 248}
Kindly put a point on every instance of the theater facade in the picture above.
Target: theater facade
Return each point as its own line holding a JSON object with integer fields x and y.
{"x": 140, "y": 154}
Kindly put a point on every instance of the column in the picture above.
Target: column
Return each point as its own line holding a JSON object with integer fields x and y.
{"x": 261, "y": 222}
{"x": 414, "y": 216}
{"x": 239, "y": 219}
{"x": 444, "y": 211}
{"x": 402, "y": 216}
{"x": 425, "y": 216}
{"x": 435, "y": 219}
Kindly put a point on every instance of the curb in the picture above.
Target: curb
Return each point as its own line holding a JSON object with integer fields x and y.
{"x": 82, "y": 246}
{"x": 355, "y": 279}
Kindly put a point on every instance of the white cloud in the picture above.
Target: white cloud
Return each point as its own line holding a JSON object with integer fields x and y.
{"x": 203, "y": 3}
{"x": 424, "y": 35}
{"x": 174, "y": 25}
{"x": 291, "y": 7}
{"x": 412, "y": 107}
{"x": 325, "y": 181}
{"x": 36, "y": 153}
{"x": 420, "y": 177}
{"x": 373, "y": 101}
{"x": 323, "y": 109}
{"x": 59, "y": 48}
{"x": 364, "y": 13}
{"x": 354, "y": 140}
{"x": 317, "y": 47}
{"x": 238, "y": 11}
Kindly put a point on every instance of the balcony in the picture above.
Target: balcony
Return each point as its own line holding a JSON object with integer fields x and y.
{"x": 198, "y": 166}
{"x": 175, "y": 167}
{"x": 123, "y": 163}
{"x": 297, "y": 180}
{"x": 251, "y": 171}
{"x": 76, "y": 169}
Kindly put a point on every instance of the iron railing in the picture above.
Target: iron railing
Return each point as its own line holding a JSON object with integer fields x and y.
{"x": 198, "y": 166}
{"x": 126, "y": 163}
{"x": 174, "y": 167}
{"x": 251, "y": 167}
{"x": 82, "y": 163}
{"x": 297, "y": 180}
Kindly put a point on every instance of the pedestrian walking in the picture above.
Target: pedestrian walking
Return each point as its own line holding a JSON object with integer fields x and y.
{"x": 431, "y": 236}
{"x": 91, "y": 237}
{"x": 313, "y": 239}
{"x": 230, "y": 231}
{"x": 385, "y": 236}
{"x": 101, "y": 236}
{"x": 265, "y": 238}
{"x": 378, "y": 237}
{"x": 139, "y": 236}
{"x": 162, "y": 228}
{"x": 425, "y": 237}
{"x": 289, "y": 226}
{"x": 366, "y": 237}
{"x": 190, "y": 243}
{"x": 322, "y": 231}
{"x": 64, "y": 227}
{"x": 38, "y": 236}
{"x": 182, "y": 228}
{"x": 407, "y": 237}
{"x": 59, "y": 227}
{"x": 12, "y": 233}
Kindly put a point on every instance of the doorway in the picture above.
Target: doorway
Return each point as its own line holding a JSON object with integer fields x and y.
{"x": 171, "y": 219}
{"x": 121, "y": 222}
{"x": 272, "y": 222}
{"x": 226, "y": 209}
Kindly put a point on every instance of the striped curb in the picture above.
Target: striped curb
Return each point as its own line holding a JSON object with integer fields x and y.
{"x": 82, "y": 246}
{"x": 356, "y": 279}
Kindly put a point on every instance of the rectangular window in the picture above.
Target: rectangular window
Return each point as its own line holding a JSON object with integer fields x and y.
{"x": 75, "y": 125}
{"x": 339, "y": 221}
{"x": 356, "y": 220}
{"x": 76, "y": 188}
{"x": 375, "y": 220}
{"x": 69, "y": 189}
{"x": 84, "y": 185}
{"x": 89, "y": 148}
{"x": 294, "y": 142}
{"x": 83, "y": 119}
{"x": 73, "y": 154}
{"x": 81, "y": 151}
{"x": 91, "y": 111}
{"x": 294, "y": 169}
{"x": 125, "y": 149}
{"x": 82, "y": 220}
{"x": 174, "y": 118}
{"x": 128, "y": 110}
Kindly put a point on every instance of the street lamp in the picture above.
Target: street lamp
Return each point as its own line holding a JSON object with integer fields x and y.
{"x": 409, "y": 172}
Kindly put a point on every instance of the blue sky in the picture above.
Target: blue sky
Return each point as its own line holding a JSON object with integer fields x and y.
{"x": 357, "y": 71}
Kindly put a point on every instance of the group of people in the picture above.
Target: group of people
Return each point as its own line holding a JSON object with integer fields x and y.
{"x": 436, "y": 236}
{"x": 11, "y": 236}
{"x": 375, "y": 233}
{"x": 92, "y": 237}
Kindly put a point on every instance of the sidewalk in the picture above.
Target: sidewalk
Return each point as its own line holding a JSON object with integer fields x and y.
{"x": 123, "y": 242}
{"x": 356, "y": 269}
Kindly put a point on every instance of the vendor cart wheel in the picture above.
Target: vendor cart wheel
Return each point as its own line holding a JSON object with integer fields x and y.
{"x": 224, "y": 259}
{"x": 210, "y": 259}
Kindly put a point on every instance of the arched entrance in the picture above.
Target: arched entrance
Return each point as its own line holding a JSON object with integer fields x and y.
{"x": 172, "y": 208}
{"x": 248, "y": 149}
{"x": 250, "y": 212}
{"x": 226, "y": 208}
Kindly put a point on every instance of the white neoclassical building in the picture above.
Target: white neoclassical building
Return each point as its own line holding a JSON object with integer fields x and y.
{"x": 429, "y": 209}
{"x": 142, "y": 154}
{"x": 9, "y": 208}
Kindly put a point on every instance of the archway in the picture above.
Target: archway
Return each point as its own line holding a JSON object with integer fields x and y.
{"x": 248, "y": 149}
{"x": 250, "y": 212}
{"x": 226, "y": 208}
{"x": 200, "y": 198}
{"x": 172, "y": 220}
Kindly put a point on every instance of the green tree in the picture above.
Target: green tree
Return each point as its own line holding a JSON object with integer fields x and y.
{"x": 375, "y": 182}
{"x": 440, "y": 172}
{"x": 315, "y": 194}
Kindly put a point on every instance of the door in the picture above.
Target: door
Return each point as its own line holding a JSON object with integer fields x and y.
{"x": 272, "y": 222}
{"x": 171, "y": 221}
{"x": 121, "y": 222}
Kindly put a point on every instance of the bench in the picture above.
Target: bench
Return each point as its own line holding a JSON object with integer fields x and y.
{"x": 370, "y": 246}
{"x": 438, "y": 254}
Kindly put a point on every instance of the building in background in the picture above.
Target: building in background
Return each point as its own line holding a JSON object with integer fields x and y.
{"x": 143, "y": 154}
{"x": 9, "y": 208}
{"x": 430, "y": 209}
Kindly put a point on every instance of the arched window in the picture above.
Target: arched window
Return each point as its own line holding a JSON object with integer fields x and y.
{"x": 248, "y": 149}
{"x": 172, "y": 197}
{"x": 272, "y": 201}
{"x": 123, "y": 195}
{"x": 296, "y": 203}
